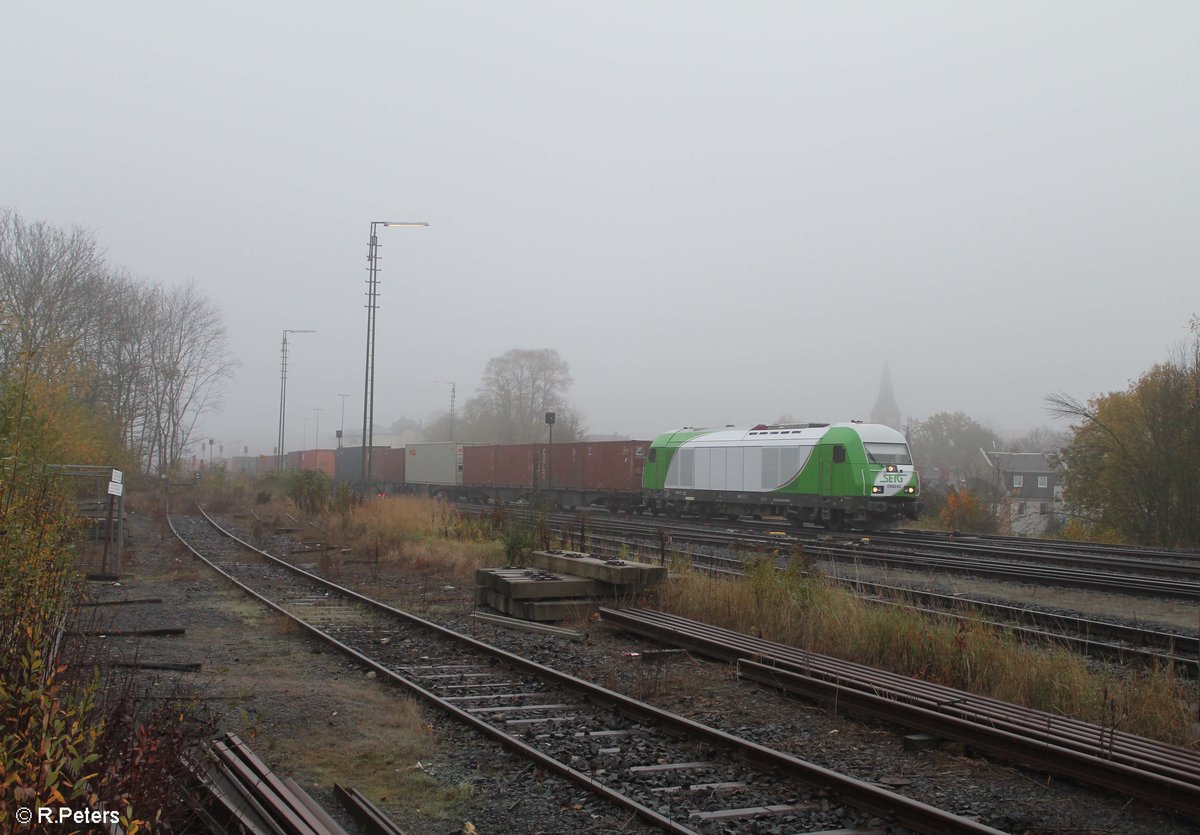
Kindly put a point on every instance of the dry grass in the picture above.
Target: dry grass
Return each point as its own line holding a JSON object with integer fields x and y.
{"x": 421, "y": 534}
{"x": 803, "y": 610}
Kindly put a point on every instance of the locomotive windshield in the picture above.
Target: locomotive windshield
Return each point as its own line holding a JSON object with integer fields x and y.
{"x": 888, "y": 453}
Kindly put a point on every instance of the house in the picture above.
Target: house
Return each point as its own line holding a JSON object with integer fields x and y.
{"x": 1030, "y": 492}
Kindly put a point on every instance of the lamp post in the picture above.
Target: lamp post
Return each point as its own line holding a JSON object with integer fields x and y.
{"x": 550, "y": 453}
{"x": 280, "y": 454}
{"x": 453, "y": 389}
{"x": 342, "y": 431}
{"x": 369, "y": 384}
{"x": 317, "y": 428}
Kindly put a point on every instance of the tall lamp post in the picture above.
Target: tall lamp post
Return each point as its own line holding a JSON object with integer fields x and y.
{"x": 280, "y": 455}
{"x": 453, "y": 389}
{"x": 317, "y": 428}
{"x": 342, "y": 430}
{"x": 368, "y": 436}
{"x": 550, "y": 454}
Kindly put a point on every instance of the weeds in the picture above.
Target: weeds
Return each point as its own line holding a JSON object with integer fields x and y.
{"x": 804, "y": 610}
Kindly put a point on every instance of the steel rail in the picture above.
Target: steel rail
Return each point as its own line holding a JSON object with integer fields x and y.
{"x": 1112, "y": 563}
{"x": 1090, "y": 629}
{"x": 854, "y": 792}
{"x": 1116, "y": 583}
{"x": 1064, "y": 546}
{"x": 1163, "y": 774}
{"x": 425, "y": 695}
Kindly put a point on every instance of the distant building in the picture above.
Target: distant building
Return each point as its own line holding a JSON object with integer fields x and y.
{"x": 886, "y": 411}
{"x": 1030, "y": 489}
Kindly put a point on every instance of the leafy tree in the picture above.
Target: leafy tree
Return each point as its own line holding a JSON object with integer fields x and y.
{"x": 951, "y": 441}
{"x": 517, "y": 390}
{"x": 1134, "y": 454}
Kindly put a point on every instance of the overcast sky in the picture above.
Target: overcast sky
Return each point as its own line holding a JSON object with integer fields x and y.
{"x": 716, "y": 212}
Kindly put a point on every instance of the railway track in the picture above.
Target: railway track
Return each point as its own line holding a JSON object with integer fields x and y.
{"x": 1166, "y": 775}
{"x": 672, "y": 772}
{"x": 1114, "y": 642}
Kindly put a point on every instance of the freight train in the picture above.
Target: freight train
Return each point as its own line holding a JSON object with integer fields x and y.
{"x": 836, "y": 475}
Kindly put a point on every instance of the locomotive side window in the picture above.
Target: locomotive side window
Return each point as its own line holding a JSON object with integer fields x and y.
{"x": 653, "y": 454}
{"x": 839, "y": 454}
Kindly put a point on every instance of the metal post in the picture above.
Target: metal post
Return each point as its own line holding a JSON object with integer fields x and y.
{"x": 368, "y": 439}
{"x": 280, "y": 452}
{"x": 550, "y": 454}
{"x": 453, "y": 390}
{"x": 342, "y": 431}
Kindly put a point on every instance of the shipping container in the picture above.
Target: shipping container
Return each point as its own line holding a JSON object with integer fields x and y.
{"x": 387, "y": 466}
{"x": 434, "y": 465}
{"x": 572, "y": 474}
{"x": 324, "y": 460}
{"x": 598, "y": 465}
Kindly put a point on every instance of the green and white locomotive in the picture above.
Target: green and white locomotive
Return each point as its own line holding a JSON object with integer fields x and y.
{"x": 839, "y": 475}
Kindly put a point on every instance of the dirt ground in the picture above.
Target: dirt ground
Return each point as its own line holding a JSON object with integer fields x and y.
{"x": 320, "y": 719}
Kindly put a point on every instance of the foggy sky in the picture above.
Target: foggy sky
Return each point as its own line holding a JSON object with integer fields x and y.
{"x": 717, "y": 213}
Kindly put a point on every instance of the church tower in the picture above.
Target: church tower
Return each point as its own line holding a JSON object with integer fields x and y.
{"x": 886, "y": 411}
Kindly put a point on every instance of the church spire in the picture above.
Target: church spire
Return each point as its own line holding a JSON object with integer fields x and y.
{"x": 886, "y": 411}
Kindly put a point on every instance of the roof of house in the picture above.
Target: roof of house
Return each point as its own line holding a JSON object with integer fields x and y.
{"x": 1019, "y": 462}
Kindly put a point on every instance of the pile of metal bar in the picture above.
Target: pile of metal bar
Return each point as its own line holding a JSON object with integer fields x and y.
{"x": 245, "y": 796}
{"x": 1163, "y": 774}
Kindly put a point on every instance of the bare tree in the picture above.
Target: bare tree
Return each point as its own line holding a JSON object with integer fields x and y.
{"x": 188, "y": 363}
{"x": 146, "y": 361}
{"x": 48, "y": 281}
{"x": 518, "y": 388}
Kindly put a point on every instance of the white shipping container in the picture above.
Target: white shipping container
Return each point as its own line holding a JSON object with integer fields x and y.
{"x": 434, "y": 463}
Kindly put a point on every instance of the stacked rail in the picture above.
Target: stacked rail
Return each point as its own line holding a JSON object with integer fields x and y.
{"x": 247, "y": 796}
{"x": 1166, "y": 775}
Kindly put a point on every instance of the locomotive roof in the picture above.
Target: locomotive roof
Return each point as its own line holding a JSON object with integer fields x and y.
{"x": 805, "y": 433}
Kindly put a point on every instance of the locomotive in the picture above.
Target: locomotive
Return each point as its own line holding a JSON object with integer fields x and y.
{"x": 840, "y": 475}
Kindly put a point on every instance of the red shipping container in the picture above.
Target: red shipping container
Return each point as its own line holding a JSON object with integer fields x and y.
{"x": 600, "y": 465}
{"x": 387, "y": 465}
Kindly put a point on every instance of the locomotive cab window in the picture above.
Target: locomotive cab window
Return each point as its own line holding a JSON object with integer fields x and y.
{"x": 878, "y": 453}
{"x": 653, "y": 454}
{"x": 839, "y": 454}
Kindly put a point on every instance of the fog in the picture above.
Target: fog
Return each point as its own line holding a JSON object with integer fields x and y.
{"x": 716, "y": 213}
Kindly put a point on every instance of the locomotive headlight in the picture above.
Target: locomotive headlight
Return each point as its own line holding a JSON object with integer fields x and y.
{"x": 891, "y": 468}
{"x": 910, "y": 489}
{"x": 876, "y": 489}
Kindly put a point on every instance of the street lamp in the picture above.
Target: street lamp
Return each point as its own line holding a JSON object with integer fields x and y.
{"x": 550, "y": 453}
{"x": 342, "y": 431}
{"x": 317, "y": 428}
{"x": 280, "y": 455}
{"x": 453, "y": 389}
{"x": 368, "y": 438}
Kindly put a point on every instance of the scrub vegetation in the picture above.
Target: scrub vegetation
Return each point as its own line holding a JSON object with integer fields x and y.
{"x": 72, "y": 733}
{"x": 802, "y": 609}
{"x": 799, "y": 607}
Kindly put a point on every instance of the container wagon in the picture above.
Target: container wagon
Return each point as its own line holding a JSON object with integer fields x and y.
{"x": 573, "y": 474}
